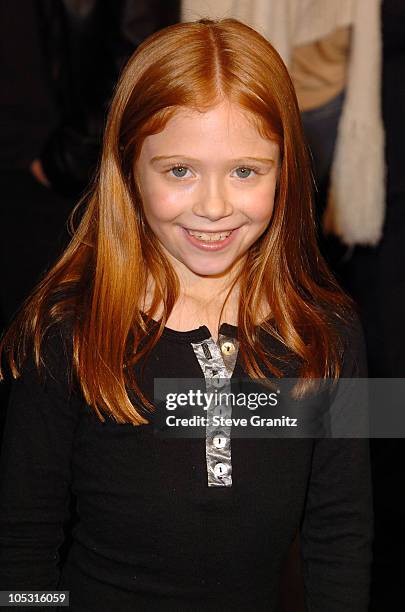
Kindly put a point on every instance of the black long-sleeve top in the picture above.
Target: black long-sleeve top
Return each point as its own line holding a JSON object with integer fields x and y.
{"x": 151, "y": 534}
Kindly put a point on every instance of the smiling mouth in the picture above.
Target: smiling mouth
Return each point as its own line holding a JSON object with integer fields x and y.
{"x": 209, "y": 236}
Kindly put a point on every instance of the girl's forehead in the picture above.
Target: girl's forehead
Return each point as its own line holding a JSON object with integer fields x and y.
{"x": 223, "y": 113}
{"x": 225, "y": 124}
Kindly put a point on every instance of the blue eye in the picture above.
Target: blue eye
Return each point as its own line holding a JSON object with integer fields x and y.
{"x": 180, "y": 170}
{"x": 244, "y": 171}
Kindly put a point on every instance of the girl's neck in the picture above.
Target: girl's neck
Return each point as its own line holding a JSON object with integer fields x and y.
{"x": 190, "y": 312}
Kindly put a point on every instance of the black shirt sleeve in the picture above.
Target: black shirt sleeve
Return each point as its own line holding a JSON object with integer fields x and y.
{"x": 35, "y": 472}
{"x": 337, "y": 530}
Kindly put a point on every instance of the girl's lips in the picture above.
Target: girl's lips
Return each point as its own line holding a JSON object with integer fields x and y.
{"x": 216, "y": 245}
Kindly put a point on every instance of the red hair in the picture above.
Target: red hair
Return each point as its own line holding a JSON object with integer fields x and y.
{"x": 100, "y": 279}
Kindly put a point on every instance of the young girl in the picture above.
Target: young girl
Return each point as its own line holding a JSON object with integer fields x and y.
{"x": 195, "y": 258}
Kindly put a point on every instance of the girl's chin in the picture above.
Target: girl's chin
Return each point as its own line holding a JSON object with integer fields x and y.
{"x": 207, "y": 265}
{"x": 204, "y": 269}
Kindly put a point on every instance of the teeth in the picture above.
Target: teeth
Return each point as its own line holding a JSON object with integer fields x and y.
{"x": 209, "y": 236}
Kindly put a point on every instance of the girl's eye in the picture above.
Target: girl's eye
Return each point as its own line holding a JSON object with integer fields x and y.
{"x": 179, "y": 171}
{"x": 245, "y": 172}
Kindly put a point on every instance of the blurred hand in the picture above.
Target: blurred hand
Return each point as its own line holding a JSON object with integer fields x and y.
{"x": 37, "y": 171}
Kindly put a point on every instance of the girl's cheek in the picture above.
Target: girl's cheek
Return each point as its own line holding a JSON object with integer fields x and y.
{"x": 259, "y": 208}
{"x": 164, "y": 203}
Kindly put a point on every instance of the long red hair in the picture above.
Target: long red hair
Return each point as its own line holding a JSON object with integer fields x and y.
{"x": 99, "y": 282}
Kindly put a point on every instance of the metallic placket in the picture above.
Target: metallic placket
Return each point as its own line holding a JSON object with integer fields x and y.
{"x": 217, "y": 361}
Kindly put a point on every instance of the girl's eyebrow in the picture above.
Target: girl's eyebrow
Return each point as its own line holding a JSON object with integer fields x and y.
{"x": 264, "y": 160}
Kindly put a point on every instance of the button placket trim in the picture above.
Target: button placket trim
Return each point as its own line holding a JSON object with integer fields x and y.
{"x": 217, "y": 371}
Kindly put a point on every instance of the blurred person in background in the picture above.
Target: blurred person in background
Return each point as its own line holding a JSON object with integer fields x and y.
{"x": 59, "y": 62}
{"x": 372, "y": 272}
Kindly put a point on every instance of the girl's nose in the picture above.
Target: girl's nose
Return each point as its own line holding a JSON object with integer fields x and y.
{"x": 213, "y": 203}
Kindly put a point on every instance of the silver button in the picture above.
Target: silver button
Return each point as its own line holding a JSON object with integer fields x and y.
{"x": 228, "y": 347}
{"x": 220, "y": 470}
{"x": 221, "y": 410}
{"x": 219, "y": 441}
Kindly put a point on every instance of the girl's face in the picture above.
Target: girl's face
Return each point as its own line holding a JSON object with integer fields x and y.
{"x": 208, "y": 183}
